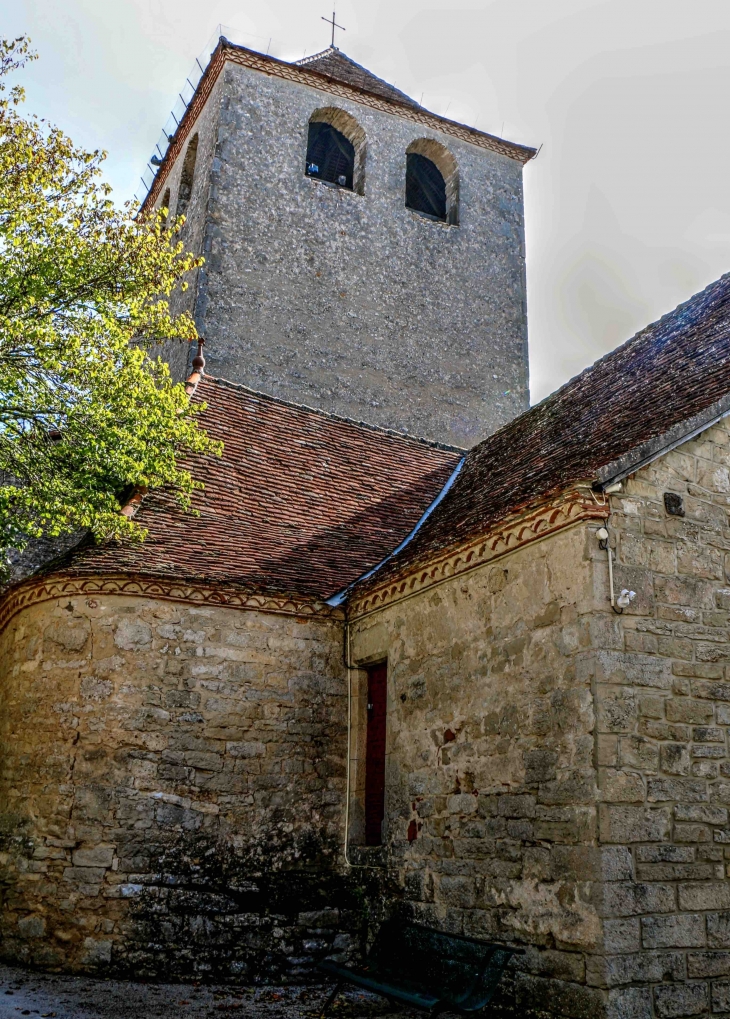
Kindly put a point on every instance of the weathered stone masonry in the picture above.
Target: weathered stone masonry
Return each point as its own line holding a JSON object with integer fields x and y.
{"x": 662, "y": 709}
{"x": 171, "y": 789}
{"x": 173, "y": 775}
{"x": 491, "y": 809}
{"x": 558, "y": 774}
{"x": 351, "y": 302}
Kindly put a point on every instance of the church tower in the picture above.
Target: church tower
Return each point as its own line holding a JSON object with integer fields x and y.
{"x": 362, "y": 255}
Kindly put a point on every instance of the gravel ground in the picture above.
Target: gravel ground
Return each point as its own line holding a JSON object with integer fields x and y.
{"x": 41, "y": 994}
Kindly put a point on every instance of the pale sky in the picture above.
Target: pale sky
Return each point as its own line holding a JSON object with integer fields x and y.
{"x": 628, "y": 203}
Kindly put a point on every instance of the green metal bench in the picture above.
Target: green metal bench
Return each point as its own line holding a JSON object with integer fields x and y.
{"x": 426, "y": 968}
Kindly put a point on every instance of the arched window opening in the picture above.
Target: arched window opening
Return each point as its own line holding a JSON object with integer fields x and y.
{"x": 336, "y": 149}
{"x": 330, "y": 156}
{"x": 185, "y": 188}
{"x": 425, "y": 187}
{"x": 432, "y": 181}
{"x": 165, "y": 206}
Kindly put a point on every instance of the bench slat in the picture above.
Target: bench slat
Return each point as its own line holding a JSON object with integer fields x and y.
{"x": 371, "y": 983}
{"x": 422, "y": 966}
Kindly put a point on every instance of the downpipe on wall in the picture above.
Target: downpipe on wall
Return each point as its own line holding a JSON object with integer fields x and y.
{"x": 626, "y": 596}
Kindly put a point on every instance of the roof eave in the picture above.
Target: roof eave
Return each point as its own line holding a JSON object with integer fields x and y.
{"x": 522, "y": 152}
{"x": 659, "y": 445}
{"x": 199, "y": 97}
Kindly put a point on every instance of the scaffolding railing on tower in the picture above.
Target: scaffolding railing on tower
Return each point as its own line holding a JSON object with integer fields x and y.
{"x": 184, "y": 98}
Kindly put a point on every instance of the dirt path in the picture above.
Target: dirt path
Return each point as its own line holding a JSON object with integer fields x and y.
{"x": 24, "y": 993}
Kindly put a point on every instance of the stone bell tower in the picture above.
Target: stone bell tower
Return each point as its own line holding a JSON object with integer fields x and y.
{"x": 362, "y": 255}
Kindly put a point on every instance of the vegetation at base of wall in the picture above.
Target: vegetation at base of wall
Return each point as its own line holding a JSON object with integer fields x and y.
{"x": 86, "y": 413}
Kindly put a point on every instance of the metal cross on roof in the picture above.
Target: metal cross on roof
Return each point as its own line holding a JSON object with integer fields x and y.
{"x": 334, "y": 26}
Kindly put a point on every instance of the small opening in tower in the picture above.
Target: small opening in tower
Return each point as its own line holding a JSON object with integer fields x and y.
{"x": 187, "y": 176}
{"x": 165, "y": 208}
{"x": 425, "y": 187}
{"x": 330, "y": 155}
{"x": 432, "y": 181}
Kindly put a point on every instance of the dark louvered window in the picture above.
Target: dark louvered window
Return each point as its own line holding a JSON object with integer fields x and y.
{"x": 330, "y": 156}
{"x": 425, "y": 187}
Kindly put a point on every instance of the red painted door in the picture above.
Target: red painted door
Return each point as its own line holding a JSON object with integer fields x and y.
{"x": 375, "y": 754}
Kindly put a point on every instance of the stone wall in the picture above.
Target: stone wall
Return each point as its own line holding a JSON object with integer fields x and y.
{"x": 663, "y": 708}
{"x": 173, "y": 777}
{"x": 176, "y": 353}
{"x": 171, "y": 790}
{"x": 350, "y": 302}
{"x": 491, "y": 813}
{"x": 558, "y": 773}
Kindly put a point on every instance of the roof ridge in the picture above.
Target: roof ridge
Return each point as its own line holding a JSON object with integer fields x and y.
{"x": 316, "y": 56}
{"x": 694, "y": 301}
{"x": 267, "y": 58}
{"x": 433, "y": 443}
{"x": 335, "y": 51}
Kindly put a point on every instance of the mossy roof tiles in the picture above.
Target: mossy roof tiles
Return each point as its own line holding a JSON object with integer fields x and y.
{"x": 669, "y": 373}
{"x": 300, "y": 501}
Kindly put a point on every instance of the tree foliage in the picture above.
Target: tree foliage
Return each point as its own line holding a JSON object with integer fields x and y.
{"x": 86, "y": 412}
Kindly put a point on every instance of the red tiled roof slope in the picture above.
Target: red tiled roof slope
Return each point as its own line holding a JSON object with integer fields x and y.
{"x": 337, "y": 65}
{"x": 669, "y": 372}
{"x": 300, "y": 501}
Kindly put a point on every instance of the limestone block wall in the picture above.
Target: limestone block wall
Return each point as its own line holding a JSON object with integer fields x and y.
{"x": 171, "y": 789}
{"x": 662, "y": 715}
{"x": 350, "y": 302}
{"x": 491, "y": 786}
{"x": 172, "y": 783}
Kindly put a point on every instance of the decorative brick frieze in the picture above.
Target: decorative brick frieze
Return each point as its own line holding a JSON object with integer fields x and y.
{"x": 538, "y": 523}
{"x": 33, "y": 592}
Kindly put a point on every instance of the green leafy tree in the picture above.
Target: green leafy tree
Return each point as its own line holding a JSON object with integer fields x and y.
{"x": 86, "y": 413}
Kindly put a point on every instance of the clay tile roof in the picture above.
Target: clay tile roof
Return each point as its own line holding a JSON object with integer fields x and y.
{"x": 301, "y": 501}
{"x": 335, "y": 64}
{"x": 673, "y": 371}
